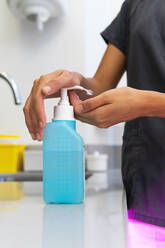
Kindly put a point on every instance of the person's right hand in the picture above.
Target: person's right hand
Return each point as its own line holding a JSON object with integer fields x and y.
{"x": 45, "y": 87}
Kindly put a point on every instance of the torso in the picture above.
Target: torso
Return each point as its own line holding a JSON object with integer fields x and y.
{"x": 144, "y": 138}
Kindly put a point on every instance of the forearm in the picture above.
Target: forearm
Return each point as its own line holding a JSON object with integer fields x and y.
{"x": 151, "y": 104}
{"x": 111, "y": 69}
{"x": 109, "y": 72}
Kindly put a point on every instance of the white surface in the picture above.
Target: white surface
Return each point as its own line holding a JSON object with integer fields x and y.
{"x": 27, "y": 54}
{"x": 9, "y": 141}
{"x": 98, "y": 15}
{"x": 98, "y": 182}
{"x": 33, "y": 160}
{"x": 97, "y": 161}
{"x": 99, "y": 222}
{"x": 44, "y": 10}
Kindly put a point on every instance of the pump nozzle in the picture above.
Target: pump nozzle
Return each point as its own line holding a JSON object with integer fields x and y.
{"x": 88, "y": 92}
{"x": 64, "y": 97}
{"x": 64, "y": 94}
{"x": 64, "y": 111}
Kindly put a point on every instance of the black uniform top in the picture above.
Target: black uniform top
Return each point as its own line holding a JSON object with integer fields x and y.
{"x": 139, "y": 32}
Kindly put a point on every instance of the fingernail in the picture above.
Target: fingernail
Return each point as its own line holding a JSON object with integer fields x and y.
{"x": 40, "y": 124}
{"x": 79, "y": 108}
{"x": 38, "y": 136}
{"x": 47, "y": 89}
{"x": 33, "y": 136}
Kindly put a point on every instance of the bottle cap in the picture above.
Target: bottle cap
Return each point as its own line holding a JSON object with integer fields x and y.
{"x": 64, "y": 111}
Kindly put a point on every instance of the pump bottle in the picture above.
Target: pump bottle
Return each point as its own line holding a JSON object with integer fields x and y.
{"x": 63, "y": 158}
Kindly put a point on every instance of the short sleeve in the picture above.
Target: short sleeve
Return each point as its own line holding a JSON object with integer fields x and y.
{"x": 117, "y": 32}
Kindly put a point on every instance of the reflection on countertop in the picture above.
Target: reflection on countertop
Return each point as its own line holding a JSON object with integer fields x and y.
{"x": 63, "y": 226}
{"x": 11, "y": 191}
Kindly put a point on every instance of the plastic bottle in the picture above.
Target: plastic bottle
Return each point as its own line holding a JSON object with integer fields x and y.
{"x": 63, "y": 158}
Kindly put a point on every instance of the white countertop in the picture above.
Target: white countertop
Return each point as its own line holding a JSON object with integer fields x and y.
{"x": 98, "y": 223}
{"x": 101, "y": 222}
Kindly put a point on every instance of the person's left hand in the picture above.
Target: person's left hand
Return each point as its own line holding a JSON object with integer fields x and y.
{"x": 109, "y": 108}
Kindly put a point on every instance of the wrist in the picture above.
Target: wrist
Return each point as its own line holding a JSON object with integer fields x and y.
{"x": 141, "y": 101}
{"x": 151, "y": 103}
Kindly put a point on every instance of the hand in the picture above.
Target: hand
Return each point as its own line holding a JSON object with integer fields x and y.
{"x": 45, "y": 87}
{"x": 109, "y": 108}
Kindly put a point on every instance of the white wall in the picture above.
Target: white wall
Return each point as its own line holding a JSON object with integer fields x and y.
{"x": 72, "y": 43}
{"x": 26, "y": 54}
{"x": 98, "y": 15}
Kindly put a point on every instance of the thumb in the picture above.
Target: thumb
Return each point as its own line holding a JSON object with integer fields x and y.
{"x": 75, "y": 101}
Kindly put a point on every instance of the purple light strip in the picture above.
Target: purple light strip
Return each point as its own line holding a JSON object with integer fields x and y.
{"x": 143, "y": 235}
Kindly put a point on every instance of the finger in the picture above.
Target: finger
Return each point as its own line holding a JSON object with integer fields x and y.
{"x": 91, "y": 122}
{"x": 37, "y": 110}
{"x": 64, "y": 80}
{"x": 28, "y": 119}
{"x": 98, "y": 117}
{"x": 43, "y": 88}
{"x": 33, "y": 122}
{"x": 91, "y": 104}
{"x": 104, "y": 116}
{"x": 38, "y": 118}
{"x": 84, "y": 120}
{"x": 74, "y": 98}
{"x": 89, "y": 117}
{"x": 41, "y": 135}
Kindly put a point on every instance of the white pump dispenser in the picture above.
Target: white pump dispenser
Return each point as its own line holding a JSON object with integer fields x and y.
{"x": 64, "y": 111}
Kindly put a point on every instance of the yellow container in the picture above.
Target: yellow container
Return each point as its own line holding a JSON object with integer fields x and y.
{"x": 11, "y": 155}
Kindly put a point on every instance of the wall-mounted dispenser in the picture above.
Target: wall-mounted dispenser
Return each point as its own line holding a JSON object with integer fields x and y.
{"x": 38, "y": 11}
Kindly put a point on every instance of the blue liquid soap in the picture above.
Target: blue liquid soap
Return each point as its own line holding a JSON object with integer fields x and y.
{"x": 63, "y": 158}
{"x": 63, "y": 164}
